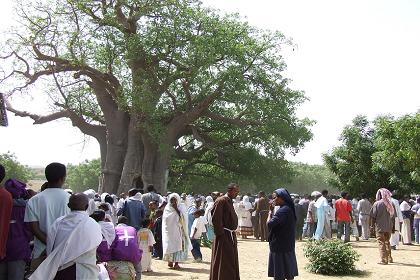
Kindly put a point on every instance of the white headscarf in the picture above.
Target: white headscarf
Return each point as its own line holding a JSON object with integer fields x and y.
{"x": 103, "y": 196}
{"x": 137, "y": 196}
{"x": 245, "y": 202}
{"x": 174, "y": 226}
{"x": 90, "y": 193}
{"x": 190, "y": 201}
{"x": 108, "y": 232}
{"x": 92, "y": 205}
{"x": 209, "y": 207}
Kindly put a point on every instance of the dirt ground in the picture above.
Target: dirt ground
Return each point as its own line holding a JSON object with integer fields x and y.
{"x": 253, "y": 257}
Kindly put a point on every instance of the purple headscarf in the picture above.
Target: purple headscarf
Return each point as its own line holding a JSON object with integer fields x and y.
{"x": 16, "y": 188}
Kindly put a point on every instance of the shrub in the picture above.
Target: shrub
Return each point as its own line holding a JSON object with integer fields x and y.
{"x": 330, "y": 257}
{"x": 206, "y": 243}
{"x": 15, "y": 170}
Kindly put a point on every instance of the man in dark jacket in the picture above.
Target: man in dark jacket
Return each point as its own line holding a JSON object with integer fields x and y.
{"x": 134, "y": 209}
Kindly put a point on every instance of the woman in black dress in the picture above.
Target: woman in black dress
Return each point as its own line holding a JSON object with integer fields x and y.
{"x": 281, "y": 237}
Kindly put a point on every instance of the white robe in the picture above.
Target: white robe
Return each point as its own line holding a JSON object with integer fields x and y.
{"x": 72, "y": 239}
{"x": 172, "y": 231}
{"x": 323, "y": 223}
{"x": 395, "y": 237}
{"x": 207, "y": 212}
{"x": 244, "y": 214}
{"x": 92, "y": 205}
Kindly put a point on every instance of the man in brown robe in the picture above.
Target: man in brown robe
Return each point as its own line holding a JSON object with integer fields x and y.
{"x": 262, "y": 208}
{"x": 224, "y": 257}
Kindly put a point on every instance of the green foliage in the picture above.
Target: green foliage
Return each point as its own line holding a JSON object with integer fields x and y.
{"x": 352, "y": 163}
{"x": 15, "y": 170}
{"x": 330, "y": 257}
{"x": 372, "y": 155}
{"x": 307, "y": 178}
{"x": 84, "y": 176}
{"x": 205, "y": 242}
{"x": 245, "y": 166}
{"x": 183, "y": 70}
{"x": 398, "y": 150}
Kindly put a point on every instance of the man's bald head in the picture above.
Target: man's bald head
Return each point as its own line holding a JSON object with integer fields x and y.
{"x": 78, "y": 202}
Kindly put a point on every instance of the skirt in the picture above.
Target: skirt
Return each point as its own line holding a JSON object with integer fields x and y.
{"x": 180, "y": 256}
{"x": 210, "y": 233}
{"x": 121, "y": 270}
{"x": 245, "y": 231}
{"x": 282, "y": 265}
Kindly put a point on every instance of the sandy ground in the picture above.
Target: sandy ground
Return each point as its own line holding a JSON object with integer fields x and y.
{"x": 253, "y": 264}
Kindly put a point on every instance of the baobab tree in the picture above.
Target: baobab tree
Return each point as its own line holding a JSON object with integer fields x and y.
{"x": 156, "y": 80}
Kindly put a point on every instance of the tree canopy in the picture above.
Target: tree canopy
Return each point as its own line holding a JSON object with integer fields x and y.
{"x": 398, "y": 150}
{"x": 84, "y": 176}
{"x": 156, "y": 82}
{"x": 14, "y": 169}
{"x": 383, "y": 153}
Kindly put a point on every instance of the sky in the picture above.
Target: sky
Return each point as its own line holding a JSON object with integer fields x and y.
{"x": 350, "y": 58}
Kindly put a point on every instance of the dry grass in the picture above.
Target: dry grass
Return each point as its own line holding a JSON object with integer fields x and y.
{"x": 253, "y": 257}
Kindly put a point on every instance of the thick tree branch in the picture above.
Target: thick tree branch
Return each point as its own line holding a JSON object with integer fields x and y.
{"x": 237, "y": 121}
{"x": 97, "y": 131}
{"x": 38, "y": 119}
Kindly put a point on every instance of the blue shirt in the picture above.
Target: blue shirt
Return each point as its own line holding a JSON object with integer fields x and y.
{"x": 135, "y": 212}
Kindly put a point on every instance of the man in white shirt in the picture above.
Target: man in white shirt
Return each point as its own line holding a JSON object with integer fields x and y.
{"x": 197, "y": 229}
{"x": 71, "y": 245}
{"x": 395, "y": 236}
{"x": 44, "y": 208}
{"x": 364, "y": 207}
{"x": 405, "y": 208}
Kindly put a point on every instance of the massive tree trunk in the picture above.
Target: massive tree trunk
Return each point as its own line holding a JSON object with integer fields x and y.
{"x": 116, "y": 152}
{"x": 117, "y": 122}
{"x": 155, "y": 163}
{"x": 131, "y": 172}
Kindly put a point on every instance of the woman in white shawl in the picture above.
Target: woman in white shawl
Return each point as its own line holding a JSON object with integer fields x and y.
{"x": 112, "y": 212}
{"x": 175, "y": 241}
{"x": 92, "y": 205}
{"x": 207, "y": 216}
{"x": 245, "y": 223}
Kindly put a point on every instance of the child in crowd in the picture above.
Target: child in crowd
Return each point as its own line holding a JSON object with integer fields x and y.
{"x": 105, "y": 207}
{"x": 197, "y": 229}
{"x": 146, "y": 242}
{"x": 153, "y": 205}
{"x": 104, "y": 251}
{"x": 157, "y": 231}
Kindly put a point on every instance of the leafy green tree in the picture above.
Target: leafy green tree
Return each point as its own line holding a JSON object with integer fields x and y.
{"x": 352, "y": 162}
{"x": 15, "y": 170}
{"x": 398, "y": 150}
{"x": 307, "y": 178}
{"x": 84, "y": 175}
{"x": 254, "y": 173}
{"x": 145, "y": 78}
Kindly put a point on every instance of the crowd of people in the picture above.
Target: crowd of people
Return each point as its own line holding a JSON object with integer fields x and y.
{"x": 58, "y": 234}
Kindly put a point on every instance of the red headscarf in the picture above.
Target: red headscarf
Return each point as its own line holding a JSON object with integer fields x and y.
{"x": 385, "y": 195}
